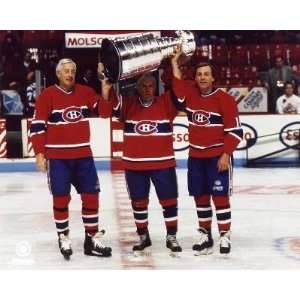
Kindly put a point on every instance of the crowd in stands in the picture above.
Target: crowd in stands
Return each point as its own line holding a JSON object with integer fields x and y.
{"x": 241, "y": 58}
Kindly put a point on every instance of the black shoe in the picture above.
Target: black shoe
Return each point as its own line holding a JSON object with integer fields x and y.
{"x": 172, "y": 243}
{"x": 93, "y": 245}
{"x": 64, "y": 244}
{"x": 205, "y": 244}
{"x": 225, "y": 243}
{"x": 144, "y": 242}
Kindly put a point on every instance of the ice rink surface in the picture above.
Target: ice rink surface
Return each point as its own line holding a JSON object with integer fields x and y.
{"x": 265, "y": 227}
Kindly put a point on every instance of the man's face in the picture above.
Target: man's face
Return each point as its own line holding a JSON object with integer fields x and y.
{"x": 147, "y": 90}
{"x": 279, "y": 62}
{"x": 66, "y": 76}
{"x": 289, "y": 90}
{"x": 204, "y": 79}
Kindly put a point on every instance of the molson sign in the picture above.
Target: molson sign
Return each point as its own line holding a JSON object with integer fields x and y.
{"x": 94, "y": 40}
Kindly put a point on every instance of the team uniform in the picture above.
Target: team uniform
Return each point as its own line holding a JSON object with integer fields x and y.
{"x": 148, "y": 156}
{"x": 60, "y": 130}
{"x": 214, "y": 128}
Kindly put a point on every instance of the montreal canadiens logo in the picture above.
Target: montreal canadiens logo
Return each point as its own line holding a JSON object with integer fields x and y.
{"x": 72, "y": 114}
{"x": 145, "y": 127}
{"x": 201, "y": 117}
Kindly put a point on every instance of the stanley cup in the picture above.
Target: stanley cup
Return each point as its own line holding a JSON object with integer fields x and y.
{"x": 128, "y": 57}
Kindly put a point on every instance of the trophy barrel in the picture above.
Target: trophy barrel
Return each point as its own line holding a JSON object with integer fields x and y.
{"x": 129, "y": 57}
{"x": 110, "y": 55}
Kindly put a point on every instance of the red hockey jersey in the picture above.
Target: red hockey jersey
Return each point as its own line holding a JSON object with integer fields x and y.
{"x": 148, "y": 132}
{"x": 214, "y": 125}
{"x": 60, "y": 128}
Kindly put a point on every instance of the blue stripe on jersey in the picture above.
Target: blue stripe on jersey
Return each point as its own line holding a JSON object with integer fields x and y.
{"x": 213, "y": 119}
{"x": 161, "y": 127}
{"x": 238, "y": 132}
{"x": 37, "y": 127}
{"x": 57, "y": 116}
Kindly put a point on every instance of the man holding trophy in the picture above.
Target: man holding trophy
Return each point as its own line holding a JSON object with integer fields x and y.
{"x": 148, "y": 155}
{"x": 214, "y": 133}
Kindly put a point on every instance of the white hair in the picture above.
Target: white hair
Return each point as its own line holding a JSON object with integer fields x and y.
{"x": 64, "y": 61}
{"x": 144, "y": 77}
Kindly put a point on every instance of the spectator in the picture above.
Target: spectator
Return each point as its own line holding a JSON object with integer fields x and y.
{"x": 30, "y": 95}
{"x": 288, "y": 103}
{"x": 28, "y": 63}
{"x": 276, "y": 78}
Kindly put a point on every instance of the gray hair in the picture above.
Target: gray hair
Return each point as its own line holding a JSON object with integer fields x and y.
{"x": 64, "y": 61}
{"x": 144, "y": 77}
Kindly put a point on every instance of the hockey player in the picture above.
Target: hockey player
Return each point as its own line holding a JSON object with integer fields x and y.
{"x": 148, "y": 155}
{"x": 60, "y": 135}
{"x": 214, "y": 133}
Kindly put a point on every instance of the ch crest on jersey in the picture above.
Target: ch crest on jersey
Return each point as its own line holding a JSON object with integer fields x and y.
{"x": 145, "y": 127}
{"x": 72, "y": 114}
{"x": 201, "y": 117}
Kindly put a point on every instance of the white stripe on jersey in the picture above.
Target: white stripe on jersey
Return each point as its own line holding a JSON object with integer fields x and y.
{"x": 66, "y": 146}
{"x": 206, "y": 147}
{"x": 117, "y": 107}
{"x": 235, "y": 135}
{"x": 156, "y": 121}
{"x": 207, "y": 125}
{"x": 38, "y": 122}
{"x": 152, "y": 134}
{"x": 39, "y": 132}
{"x": 209, "y": 112}
{"x": 233, "y": 128}
{"x": 66, "y": 123}
{"x": 61, "y": 110}
{"x": 148, "y": 158}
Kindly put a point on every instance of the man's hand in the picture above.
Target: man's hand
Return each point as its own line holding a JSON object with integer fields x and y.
{"x": 174, "y": 62}
{"x": 41, "y": 162}
{"x": 105, "y": 84}
{"x": 176, "y": 54}
{"x": 224, "y": 162}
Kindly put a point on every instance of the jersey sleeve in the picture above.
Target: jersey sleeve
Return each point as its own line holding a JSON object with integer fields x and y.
{"x": 97, "y": 105}
{"x": 181, "y": 90}
{"x": 233, "y": 132}
{"x": 170, "y": 105}
{"x": 39, "y": 123}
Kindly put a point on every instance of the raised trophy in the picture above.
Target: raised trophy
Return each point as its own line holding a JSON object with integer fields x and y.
{"x": 128, "y": 57}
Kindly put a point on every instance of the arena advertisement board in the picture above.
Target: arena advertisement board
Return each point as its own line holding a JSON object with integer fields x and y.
{"x": 94, "y": 40}
{"x": 250, "y": 100}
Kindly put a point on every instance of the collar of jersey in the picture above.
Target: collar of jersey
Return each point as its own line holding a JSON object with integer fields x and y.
{"x": 148, "y": 105}
{"x": 68, "y": 93}
{"x": 207, "y": 95}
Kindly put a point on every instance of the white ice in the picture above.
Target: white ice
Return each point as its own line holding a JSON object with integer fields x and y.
{"x": 266, "y": 213}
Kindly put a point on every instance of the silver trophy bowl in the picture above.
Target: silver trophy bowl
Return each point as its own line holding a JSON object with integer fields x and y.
{"x": 128, "y": 57}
